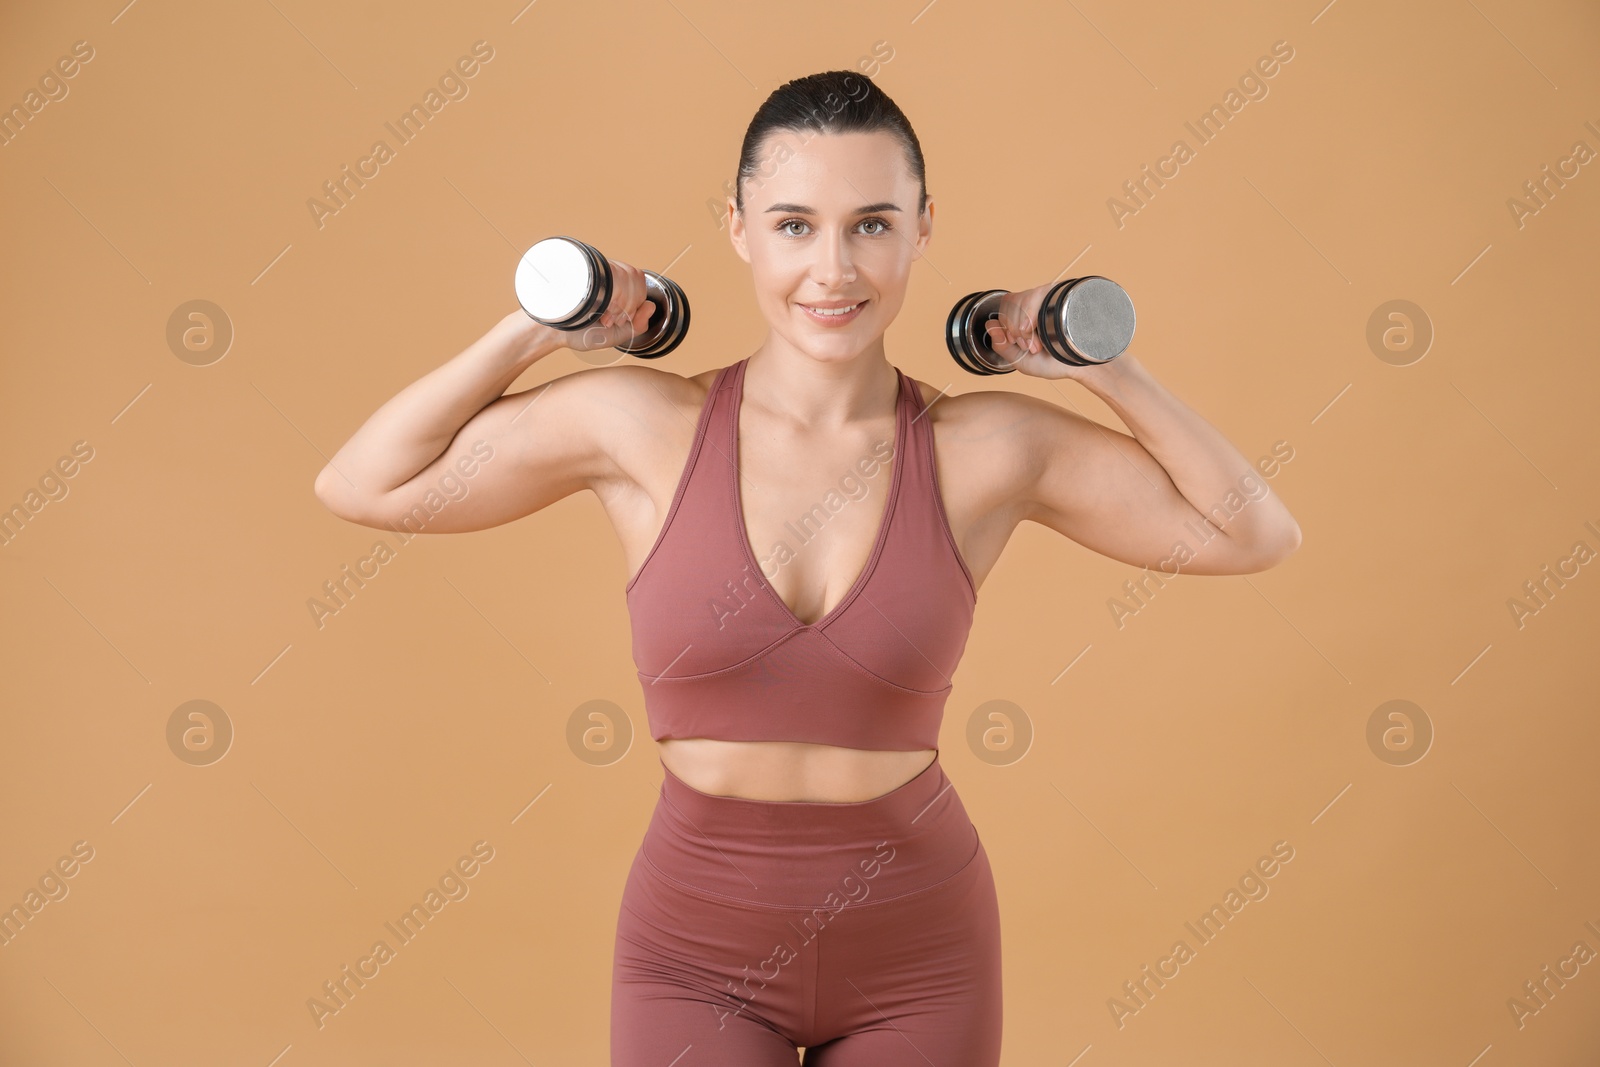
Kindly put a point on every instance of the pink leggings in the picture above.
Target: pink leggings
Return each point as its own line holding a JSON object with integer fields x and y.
{"x": 865, "y": 933}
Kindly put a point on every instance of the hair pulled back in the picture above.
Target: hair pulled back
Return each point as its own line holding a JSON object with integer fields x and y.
{"x": 833, "y": 101}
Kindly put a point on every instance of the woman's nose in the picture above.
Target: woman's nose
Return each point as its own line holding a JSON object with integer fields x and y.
{"x": 832, "y": 266}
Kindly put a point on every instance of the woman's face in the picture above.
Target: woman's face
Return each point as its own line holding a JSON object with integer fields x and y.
{"x": 831, "y": 221}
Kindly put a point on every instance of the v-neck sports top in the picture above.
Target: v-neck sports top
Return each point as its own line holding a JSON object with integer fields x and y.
{"x": 721, "y": 656}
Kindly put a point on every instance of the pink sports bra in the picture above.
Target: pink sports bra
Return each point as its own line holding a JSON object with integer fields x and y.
{"x": 721, "y": 656}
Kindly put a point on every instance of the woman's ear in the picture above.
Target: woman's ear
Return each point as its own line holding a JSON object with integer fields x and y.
{"x": 925, "y": 226}
{"x": 736, "y": 230}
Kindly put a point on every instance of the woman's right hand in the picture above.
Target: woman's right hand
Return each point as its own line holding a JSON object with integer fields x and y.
{"x": 625, "y": 317}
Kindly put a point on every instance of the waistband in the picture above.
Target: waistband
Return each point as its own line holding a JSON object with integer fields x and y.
{"x": 782, "y": 853}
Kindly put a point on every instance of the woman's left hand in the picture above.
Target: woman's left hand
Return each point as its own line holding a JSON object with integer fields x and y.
{"x": 1014, "y": 336}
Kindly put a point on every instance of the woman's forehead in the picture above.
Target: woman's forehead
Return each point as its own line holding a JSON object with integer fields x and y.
{"x": 833, "y": 173}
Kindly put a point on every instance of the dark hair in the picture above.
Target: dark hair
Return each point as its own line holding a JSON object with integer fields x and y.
{"x": 834, "y": 101}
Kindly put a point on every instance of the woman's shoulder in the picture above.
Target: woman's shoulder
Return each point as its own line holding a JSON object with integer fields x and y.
{"x": 641, "y": 387}
{"x": 974, "y": 412}
{"x": 996, "y": 439}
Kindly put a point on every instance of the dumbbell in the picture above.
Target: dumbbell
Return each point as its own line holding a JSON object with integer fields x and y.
{"x": 566, "y": 284}
{"x": 1082, "y": 322}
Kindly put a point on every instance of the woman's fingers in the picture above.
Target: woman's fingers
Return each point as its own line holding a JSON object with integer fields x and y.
{"x": 1028, "y": 304}
{"x": 628, "y": 293}
{"x": 999, "y": 337}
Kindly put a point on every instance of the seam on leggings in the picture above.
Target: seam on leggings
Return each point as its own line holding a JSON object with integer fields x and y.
{"x": 757, "y": 905}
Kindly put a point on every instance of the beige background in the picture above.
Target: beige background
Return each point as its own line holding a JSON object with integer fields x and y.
{"x": 369, "y": 753}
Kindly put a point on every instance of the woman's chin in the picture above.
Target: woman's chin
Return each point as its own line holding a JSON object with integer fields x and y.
{"x": 831, "y": 349}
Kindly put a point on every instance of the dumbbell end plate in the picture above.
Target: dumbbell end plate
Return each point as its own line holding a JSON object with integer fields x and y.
{"x": 1096, "y": 319}
{"x": 555, "y": 281}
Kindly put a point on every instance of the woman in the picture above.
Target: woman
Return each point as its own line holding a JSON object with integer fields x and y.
{"x": 806, "y": 531}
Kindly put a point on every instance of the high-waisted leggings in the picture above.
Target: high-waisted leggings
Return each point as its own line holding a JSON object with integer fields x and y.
{"x": 864, "y": 933}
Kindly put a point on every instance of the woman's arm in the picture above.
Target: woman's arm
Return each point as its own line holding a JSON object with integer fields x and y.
{"x": 412, "y": 428}
{"x": 1176, "y": 496}
{"x": 450, "y": 453}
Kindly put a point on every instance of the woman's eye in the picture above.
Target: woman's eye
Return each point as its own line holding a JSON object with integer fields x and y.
{"x": 783, "y": 227}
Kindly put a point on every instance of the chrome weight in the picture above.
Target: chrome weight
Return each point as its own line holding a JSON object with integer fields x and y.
{"x": 567, "y": 284}
{"x": 1082, "y": 322}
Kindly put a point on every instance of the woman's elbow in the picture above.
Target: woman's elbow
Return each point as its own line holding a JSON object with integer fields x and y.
{"x": 336, "y": 494}
{"x": 1283, "y": 547}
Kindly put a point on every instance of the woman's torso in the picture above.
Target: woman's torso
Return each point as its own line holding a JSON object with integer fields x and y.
{"x": 783, "y": 471}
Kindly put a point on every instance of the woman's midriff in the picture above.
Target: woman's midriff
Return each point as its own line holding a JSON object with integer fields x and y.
{"x": 768, "y": 853}
{"x": 790, "y": 770}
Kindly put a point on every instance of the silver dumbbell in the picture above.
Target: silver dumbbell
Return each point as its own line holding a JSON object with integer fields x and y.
{"x": 1082, "y": 322}
{"x": 566, "y": 284}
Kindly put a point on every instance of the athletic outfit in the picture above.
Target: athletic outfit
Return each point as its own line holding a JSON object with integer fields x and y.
{"x": 868, "y": 932}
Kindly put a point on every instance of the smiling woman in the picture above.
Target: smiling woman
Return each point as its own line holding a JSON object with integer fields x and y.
{"x": 798, "y": 710}
{"x": 829, "y": 681}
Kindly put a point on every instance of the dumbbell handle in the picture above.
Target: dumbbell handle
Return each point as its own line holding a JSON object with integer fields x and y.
{"x": 655, "y": 291}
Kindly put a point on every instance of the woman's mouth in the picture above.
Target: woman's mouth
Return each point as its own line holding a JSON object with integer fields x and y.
{"x": 833, "y": 316}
